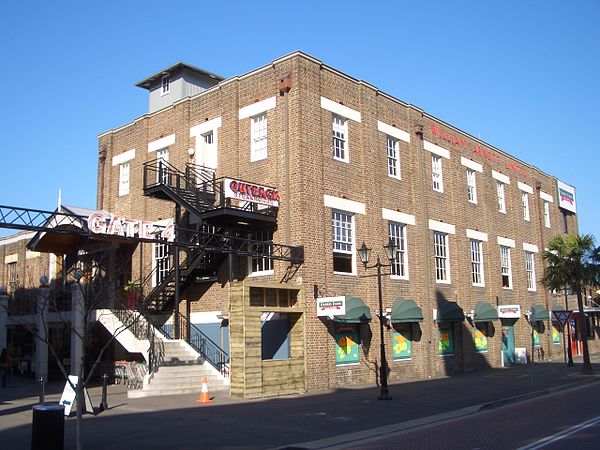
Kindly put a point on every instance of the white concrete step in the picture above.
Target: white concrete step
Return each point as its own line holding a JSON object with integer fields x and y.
{"x": 139, "y": 393}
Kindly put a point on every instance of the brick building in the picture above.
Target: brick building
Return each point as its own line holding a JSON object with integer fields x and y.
{"x": 296, "y": 153}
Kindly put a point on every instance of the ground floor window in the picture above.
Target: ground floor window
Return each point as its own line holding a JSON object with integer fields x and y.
{"x": 445, "y": 339}
{"x": 480, "y": 336}
{"x": 346, "y": 345}
{"x": 402, "y": 341}
{"x": 275, "y": 335}
{"x": 536, "y": 334}
{"x": 555, "y": 333}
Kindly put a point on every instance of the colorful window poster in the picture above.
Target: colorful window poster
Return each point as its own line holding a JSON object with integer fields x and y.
{"x": 346, "y": 345}
{"x": 555, "y": 335}
{"x": 481, "y": 340}
{"x": 446, "y": 339}
{"x": 402, "y": 342}
{"x": 536, "y": 337}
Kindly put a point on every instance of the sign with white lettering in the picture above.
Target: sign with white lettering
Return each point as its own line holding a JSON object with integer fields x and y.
{"x": 331, "y": 306}
{"x": 509, "y": 311}
{"x": 566, "y": 196}
{"x": 249, "y": 192}
{"x": 98, "y": 223}
{"x": 68, "y": 396}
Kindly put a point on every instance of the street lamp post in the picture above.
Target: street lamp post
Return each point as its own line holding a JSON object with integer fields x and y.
{"x": 391, "y": 252}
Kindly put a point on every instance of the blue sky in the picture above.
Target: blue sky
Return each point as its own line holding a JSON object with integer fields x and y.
{"x": 522, "y": 76}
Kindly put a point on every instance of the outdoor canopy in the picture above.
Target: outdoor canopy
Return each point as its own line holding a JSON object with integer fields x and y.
{"x": 406, "y": 311}
{"x": 484, "y": 312}
{"x": 356, "y": 311}
{"x": 539, "y": 313}
{"x": 450, "y": 312}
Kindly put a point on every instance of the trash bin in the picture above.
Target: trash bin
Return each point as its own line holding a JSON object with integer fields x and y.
{"x": 48, "y": 427}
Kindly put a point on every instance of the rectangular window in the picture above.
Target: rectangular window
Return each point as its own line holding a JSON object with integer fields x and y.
{"x": 275, "y": 335}
{"x": 477, "y": 263}
{"x": 343, "y": 237}
{"x": 393, "y": 156}
{"x": 340, "y": 138}
{"x": 445, "y": 339}
{"x": 525, "y": 198}
{"x": 436, "y": 173}
{"x": 346, "y": 345}
{"x": 162, "y": 157}
{"x": 480, "y": 336}
{"x": 161, "y": 263}
{"x": 506, "y": 270}
{"x": 530, "y": 269}
{"x": 402, "y": 341}
{"x": 165, "y": 85}
{"x": 501, "y": 199}
{"x": 397, "y": 234}
{"x": 442, "y": 261}
{"x": 12, "y": 275}
{"x": 547, "y": 214}
{"x": 471, "y": 186}
{"x": 124, "y": 178}
{"x": 262, "y": 265}
{"x": 259, "y": 137}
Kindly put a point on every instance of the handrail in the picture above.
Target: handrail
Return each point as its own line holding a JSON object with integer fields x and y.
{"x": 207, "y": 348}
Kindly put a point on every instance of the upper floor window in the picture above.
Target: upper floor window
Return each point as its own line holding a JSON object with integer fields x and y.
{"x": 342, "y": 231}
{"x": 546, "y": 214}
{"x": 436, "y": 173}
{"x": 506, "y": 271}
{"x": 162, "y": 158}
{"x": 259, "y": 137}
{"x": 471, "y": 186}
{"x": 340, "y": 138}
{"x": 393, "y": 157}
{"x": 525, "y": 199}
{"x": 501, "y": 197}
{"x": 477, "y": 263}
{"x": 165, "y": 87}
{"x": 124, "y": 170}
{"x": 530, "y": 270}
{"x": 397, "y": 234}
{"x": 442, "y": 260}
{"x": 161, "y": 262}
{"x": 262, "y": 265}
{"x": 12, "y": 275}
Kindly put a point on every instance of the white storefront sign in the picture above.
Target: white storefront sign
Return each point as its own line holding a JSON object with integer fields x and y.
{"x": 566, "y": 196}
{"x": 331, "y": 306}
{"x": 250, "y": 192}
{"x": 98, "y": 223}
{"x": 509, "y": 311}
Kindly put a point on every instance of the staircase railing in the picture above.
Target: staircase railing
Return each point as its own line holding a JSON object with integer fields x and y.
{"x": 207, "y": 348}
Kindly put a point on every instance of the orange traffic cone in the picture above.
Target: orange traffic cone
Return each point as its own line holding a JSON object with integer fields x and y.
{"x": 204, "y": 397}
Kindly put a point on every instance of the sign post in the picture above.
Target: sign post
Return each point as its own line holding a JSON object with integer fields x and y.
{"x": 562, "y": 317}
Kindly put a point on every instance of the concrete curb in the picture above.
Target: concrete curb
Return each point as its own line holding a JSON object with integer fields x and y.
{"x": 374, "y": 434}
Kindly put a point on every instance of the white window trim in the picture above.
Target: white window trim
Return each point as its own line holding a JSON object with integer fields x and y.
{"x": 123, "y": 157}
{"x": 433, "y": 148}
{"x": 255, "y": 153}
{"x": 442, "y": 227}
{"x": 340, "y": 109}
{"x": 437, "y": 175}
{"x": 474, "y": 185}
{"x": 525, "y": 201}
{"x": 546, "y": 207}
{"x": 506, "y": 242}
{"x": 404, "y": 255}
{"x": 533, "y": 278}
{"x": 161, "y": 143}
{"x": 530, "y": 247}
{"x": 346, "y": 157}
{"x": 524, "y": 187}
{"x": 477, "y": 235}
{"x": 501, "y": 206}
{"x": 481, "y": 270}
{"x": 124, "y": 184}
{"x": 344, "y": 204}
{"x": 162, "y": 84}
{"x": 205, "y": 127}
{"x": 500, "y": 177}
{"x": 510, "y": 280}
{"x": 393, "y": 131}
{"x": 397, "y": 164}
{"x": 397, "y": 216}
{"x": 257, "y": 108}
{"x": 547, "y": 197}
{"x": 352, "y": 243}
{"x": 445, "y": 235}
{"x": 8, "y": 259}
{"x": 261, "y": 273}
{"x": 471, "y": 164}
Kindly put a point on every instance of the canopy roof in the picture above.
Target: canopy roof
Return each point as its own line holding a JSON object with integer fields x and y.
{"x": 356, "y": 311}
{"x": 450, "y": 312}
{"x": 540, "y": 313}
{"x": 406, "y": 311}
{"x": 484, "y": 312}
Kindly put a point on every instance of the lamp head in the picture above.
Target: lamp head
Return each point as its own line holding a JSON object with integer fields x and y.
{"x": 364, "y": 253}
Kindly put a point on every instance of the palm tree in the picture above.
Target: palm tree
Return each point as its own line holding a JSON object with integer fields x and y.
{"x": 573, "y": 261}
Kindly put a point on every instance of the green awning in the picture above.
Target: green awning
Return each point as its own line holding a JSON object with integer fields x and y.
{"x": 450, "y": 312}
{"x": 406, "y": 311}
{"x": 356, "y": 311}
{"x": 540, "y": 313}
{"x": 484, "y": 312}
{"x": 557, "y": 308}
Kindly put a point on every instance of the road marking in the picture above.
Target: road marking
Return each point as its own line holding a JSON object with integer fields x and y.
{"x": 563, "y": 434}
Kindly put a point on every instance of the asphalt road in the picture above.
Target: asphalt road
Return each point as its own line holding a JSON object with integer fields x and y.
{"x": 566, "y": 420}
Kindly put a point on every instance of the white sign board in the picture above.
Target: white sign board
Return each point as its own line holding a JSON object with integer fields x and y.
{"x": 509, "y": 311}
{"x": 249, "y": 192}
{"x": 331, "y": 306}
{"x": 566, "y": 196}
{"x": 68, "y": 396}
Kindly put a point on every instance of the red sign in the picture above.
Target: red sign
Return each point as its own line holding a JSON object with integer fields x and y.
{"x": 562, "y": 317}
{"x": 454, "y": 139}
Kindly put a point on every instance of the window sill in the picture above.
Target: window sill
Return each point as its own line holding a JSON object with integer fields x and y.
{"x": 261, "y": 274}
{"x": 478, "y": 285}
{"x": 352, "y": 274}
{"x": 443, "y": 282}
{"x": 399, "y": 278}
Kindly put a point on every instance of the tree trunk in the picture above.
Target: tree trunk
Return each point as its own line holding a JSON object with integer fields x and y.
{"x": 587, "y": 365}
